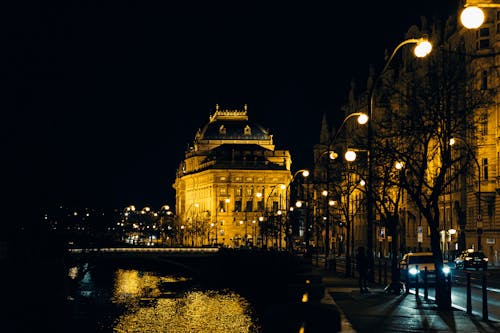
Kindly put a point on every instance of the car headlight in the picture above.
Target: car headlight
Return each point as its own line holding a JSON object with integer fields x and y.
{"x": 446, "y": 269}
{"x": 413, "y": 271}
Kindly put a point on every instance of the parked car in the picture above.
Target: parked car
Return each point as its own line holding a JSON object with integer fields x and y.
{"x": 471, "y": 259}
{"x": 413, "y": 265}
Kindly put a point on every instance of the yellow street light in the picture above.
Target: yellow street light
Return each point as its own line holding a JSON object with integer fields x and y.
{"x": 423, "y": 48}
{"x": 362, "y": 118}
{"x": 350, "y": 155}
{"x": 472, "y": 17}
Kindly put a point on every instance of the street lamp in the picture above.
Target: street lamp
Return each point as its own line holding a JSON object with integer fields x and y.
{"x": 422, "y": 49}
{"x": 274, "y": 210}
{"x": 479, "y": 217}
{"x": 350, "y": 156}
{"x": 362, "y": 119}
{"x": 191, "y": 220}
{"x": 472, "y": 17}
{"x": 289, "y": 208}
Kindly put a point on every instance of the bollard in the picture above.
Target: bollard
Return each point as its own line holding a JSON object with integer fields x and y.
{"x": 407, "y": 281}
{"x": 426, "y": 287}
{"x": 469, "y": 298}
{"x": 385, "y": 272}
{"x": 416, "y": 282}
{"x": 379, "y": 271}
{"x": 485, "y": 296}
{"x": 449, "y": 287}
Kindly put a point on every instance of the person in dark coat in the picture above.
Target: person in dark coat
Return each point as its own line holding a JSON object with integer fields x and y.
{"x": 362, "y": 265}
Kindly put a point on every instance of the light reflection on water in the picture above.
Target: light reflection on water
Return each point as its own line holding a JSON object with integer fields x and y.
{"x": 149, "y": 302}
{"x": 196, "y": 311}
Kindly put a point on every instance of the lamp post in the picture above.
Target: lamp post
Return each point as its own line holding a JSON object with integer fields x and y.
{"x": 190, "y": 220}
{"x": 282, "y": 187}
{"x": 479, "y": 218}
{"x": 327, "y": 223}
{"x": 362, "y": 119}
{"x": 216, "y": 213}
{"x": 209, "y": 232}
{"x": 305, "y": 174}
{"x": 254, "y": 243}
{"x": 422, "y": 49}
{"x": 349, "y": 156}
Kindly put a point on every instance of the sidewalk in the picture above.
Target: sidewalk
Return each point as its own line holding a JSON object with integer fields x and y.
{"x": 379, "y": 311}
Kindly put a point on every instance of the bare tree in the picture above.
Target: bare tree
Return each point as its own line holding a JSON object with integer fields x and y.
{"x": 420, "y": 108}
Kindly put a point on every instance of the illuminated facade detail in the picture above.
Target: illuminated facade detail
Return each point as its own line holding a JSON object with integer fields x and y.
{"x": 229, "y": 178}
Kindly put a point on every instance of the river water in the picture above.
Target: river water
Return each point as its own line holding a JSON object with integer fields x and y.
{"x": 126, "y": 299}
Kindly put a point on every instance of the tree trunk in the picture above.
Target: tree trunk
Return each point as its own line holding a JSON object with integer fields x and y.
{"x": 395, "y": 286}
{"x": 443, "y": 294}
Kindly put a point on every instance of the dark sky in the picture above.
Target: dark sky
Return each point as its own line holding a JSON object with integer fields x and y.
{"x": 100, "y": 98}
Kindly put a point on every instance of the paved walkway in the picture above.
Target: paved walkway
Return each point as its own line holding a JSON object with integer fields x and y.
{"x": 379, "y": 311}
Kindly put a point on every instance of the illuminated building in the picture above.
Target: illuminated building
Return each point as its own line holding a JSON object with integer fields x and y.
{"x": 230, "y": 177}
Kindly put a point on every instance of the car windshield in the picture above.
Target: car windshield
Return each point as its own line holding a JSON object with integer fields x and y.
{"x": 420, "y": 259}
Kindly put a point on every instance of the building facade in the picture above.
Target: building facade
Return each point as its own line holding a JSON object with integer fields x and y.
{"x": 469, "y": 207}
{"x": 231, "y": 185}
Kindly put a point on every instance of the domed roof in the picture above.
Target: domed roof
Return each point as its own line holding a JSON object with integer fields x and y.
{"x": 232, "y": 125}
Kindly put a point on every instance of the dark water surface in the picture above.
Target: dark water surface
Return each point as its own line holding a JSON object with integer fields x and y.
{"x": 120, "y": 298}
{"x": 125, "y": 299}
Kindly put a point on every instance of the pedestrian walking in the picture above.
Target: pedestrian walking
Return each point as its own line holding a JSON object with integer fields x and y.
{"x": 362, "y": 265}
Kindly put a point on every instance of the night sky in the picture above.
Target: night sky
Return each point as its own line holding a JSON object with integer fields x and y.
{"x": 101, "y": 98}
